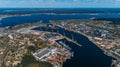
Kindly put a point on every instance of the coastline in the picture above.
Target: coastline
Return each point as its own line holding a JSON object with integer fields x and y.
{"x": 105, "y": 43}
{"x": 71, "y": 30}
{"x": 92, "y": 40}
{"x": 54, "y": 42}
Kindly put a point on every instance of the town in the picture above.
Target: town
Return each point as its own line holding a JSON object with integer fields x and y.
{"x": 23, "y": 47}
{"x": 101, "y": 32}
{"x": 21, "y": 42}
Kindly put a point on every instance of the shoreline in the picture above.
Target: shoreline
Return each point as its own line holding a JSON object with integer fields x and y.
{"x": 92, "y": 40}
{"x": 104, "y": 43}
{"x": 76, "y": 32}
{"x": 65, "y": 58}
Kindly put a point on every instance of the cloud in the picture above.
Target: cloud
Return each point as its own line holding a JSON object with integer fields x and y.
{"x": 59, "y": 3}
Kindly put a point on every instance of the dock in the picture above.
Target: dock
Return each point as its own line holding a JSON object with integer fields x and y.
{"x": 64, "y": 45}
{"x": 73, "y": 41}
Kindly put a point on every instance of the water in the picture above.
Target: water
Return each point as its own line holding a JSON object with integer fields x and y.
{"x": 60, "y": 10}
{"x": 89, "y": 55}
{"x": 16, "y": 20}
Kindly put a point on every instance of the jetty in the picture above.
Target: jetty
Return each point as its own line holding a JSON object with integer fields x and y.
{"x": 75, "y": 42}
{"x": 71, "y": 40}
{"x": 64, "y": 45}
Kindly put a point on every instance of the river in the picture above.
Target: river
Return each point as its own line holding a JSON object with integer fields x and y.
{"x": 89, "y": 55}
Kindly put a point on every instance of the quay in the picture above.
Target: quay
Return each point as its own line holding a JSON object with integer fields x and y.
{"x": 73, "y": 41}
{"x": 64, "y": 45}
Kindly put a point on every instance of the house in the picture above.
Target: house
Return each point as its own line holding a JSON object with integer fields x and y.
{"x": 101, "y": 33}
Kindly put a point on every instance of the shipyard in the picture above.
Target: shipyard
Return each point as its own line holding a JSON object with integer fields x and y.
{"x": 62, "y": 34}
{"x": 39, "y": 44}
{"x": 100, "y": 34}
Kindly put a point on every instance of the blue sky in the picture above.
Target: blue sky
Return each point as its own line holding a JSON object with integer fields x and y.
{"x": 59, "y": 3}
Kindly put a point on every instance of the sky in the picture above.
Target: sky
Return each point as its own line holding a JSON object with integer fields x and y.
{"x": 59, "y": 3}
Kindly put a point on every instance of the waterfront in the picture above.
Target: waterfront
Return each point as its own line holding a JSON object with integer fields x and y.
{"x": 87, "y": 55}
{"x": 16, "y": 20}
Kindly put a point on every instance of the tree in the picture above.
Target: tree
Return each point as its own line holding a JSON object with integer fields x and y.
{"x": 31, "y": 48}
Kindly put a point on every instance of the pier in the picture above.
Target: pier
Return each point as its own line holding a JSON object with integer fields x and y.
{"x": 64, "y": 45}
{"x": 73, "y": 41}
